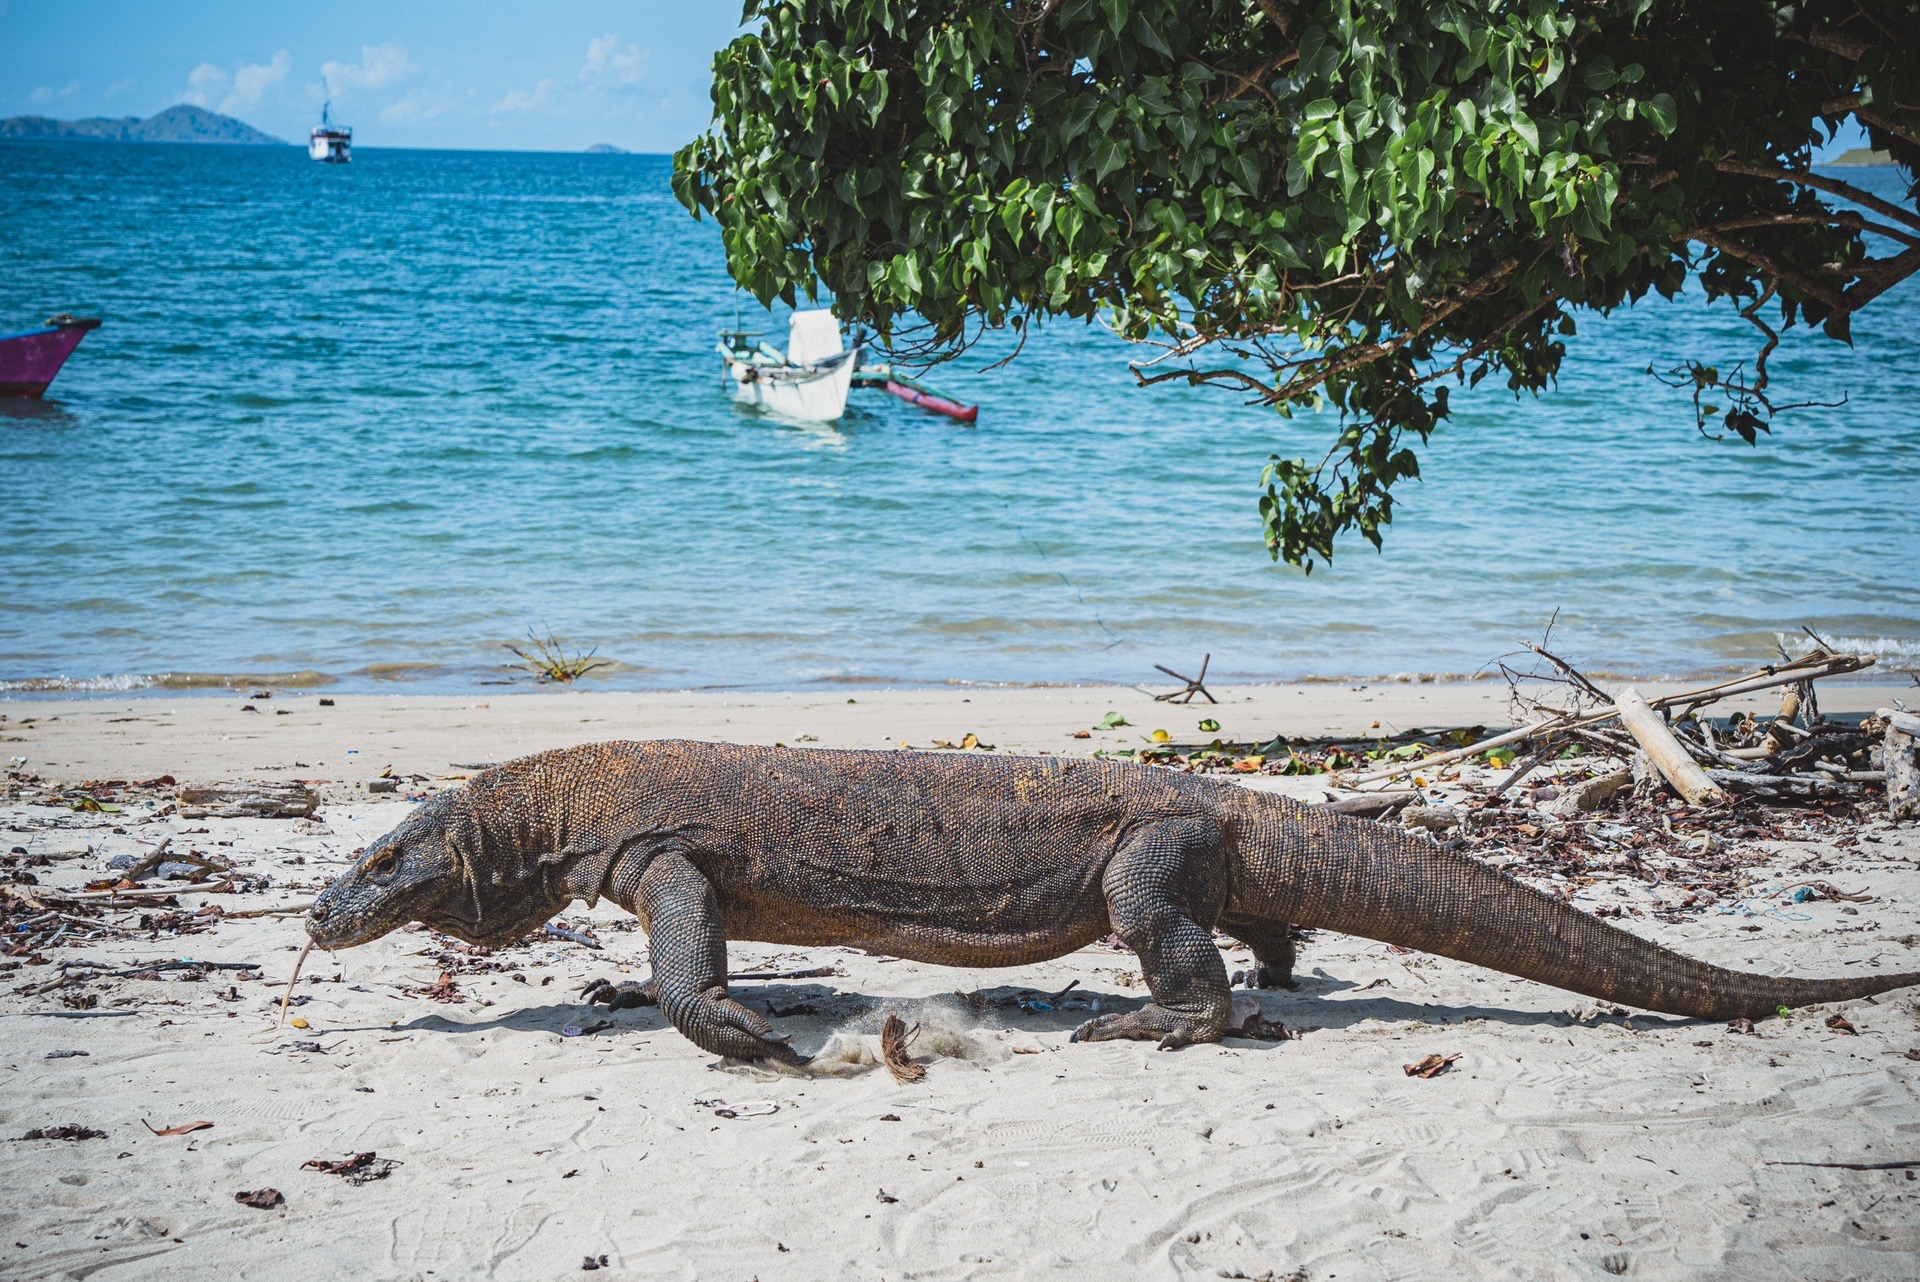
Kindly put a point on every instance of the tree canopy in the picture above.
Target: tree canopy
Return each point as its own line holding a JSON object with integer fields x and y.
{"x": 1347, "y": 203}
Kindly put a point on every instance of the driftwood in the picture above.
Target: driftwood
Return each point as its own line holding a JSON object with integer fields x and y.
{"x": 1897, "y": 754}
{"x": 1668, "y": 757}
{"x": 1368, "y": 805}
{"x": 1753, "y": 784}
{"x": 1433, "y": 818}
{"x": 1796, "y": 673}
{"x": 248, "y": 801}
{"x": 221, "y": 887}
{"x": 1592, "y": 794}
{"x": 1194, "y": 685}
{"x": 282, "y": 910}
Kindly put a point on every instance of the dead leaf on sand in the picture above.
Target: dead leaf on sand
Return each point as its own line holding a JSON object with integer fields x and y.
{"x": 361, "y": 1168}
{"x": 265, "y": 1199}
{"x": 1741, "y": 1026}
{"x": 184, "y": 1128}
{"x": 886, "y": 1197}
{"x": 442, "y": 989}
{"x": 67, "y": 1132}
{"x": 1431, "y": 1066}
{"x": 1838, "y": 1023}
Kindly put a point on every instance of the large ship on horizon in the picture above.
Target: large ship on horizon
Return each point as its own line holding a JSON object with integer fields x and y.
{"x": 330, "y": 142}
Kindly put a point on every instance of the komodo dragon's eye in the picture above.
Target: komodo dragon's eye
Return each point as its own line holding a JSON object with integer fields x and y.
{"x": 383, "y": 862}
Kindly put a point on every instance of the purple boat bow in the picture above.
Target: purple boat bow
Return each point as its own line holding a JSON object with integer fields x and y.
{"x": 30, "y": 359}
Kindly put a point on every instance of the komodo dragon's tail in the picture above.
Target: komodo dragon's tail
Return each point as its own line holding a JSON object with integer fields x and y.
{"x": 1361, "y": 878}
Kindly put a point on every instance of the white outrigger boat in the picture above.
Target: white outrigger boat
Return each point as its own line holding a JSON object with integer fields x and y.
{"x": 810, "y": 381}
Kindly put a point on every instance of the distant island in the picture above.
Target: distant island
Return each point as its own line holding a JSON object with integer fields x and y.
{"x": 607, "y": 149}
{"x": 182, "y": 122}
{"x": 1862, "y": 156}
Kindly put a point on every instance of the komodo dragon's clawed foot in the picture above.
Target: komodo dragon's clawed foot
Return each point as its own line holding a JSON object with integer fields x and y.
{"x": 715, "y": 1022}
{"x": 1264, "y": 977}
{"x": 622, "y": 996}
{"x": 1152, "y": 1021}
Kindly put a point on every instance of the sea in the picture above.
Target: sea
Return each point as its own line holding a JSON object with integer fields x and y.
{"x": 360, "y": 427}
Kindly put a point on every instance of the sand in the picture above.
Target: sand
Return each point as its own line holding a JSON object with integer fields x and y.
{"x": 1564, "y": 1142}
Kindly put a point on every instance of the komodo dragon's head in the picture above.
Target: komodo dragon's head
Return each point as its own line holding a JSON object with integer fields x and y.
{"x": 430, "y": 869}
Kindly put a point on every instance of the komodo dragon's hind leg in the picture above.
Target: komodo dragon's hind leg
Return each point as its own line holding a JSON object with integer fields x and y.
{"x": 1163, "y": 882}
{"x": 689, "y": 954}
{"x": 1272, "y": 945}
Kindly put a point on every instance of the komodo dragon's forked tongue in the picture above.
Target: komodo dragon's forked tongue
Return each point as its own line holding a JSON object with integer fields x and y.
{"x": 1360, "y": 878}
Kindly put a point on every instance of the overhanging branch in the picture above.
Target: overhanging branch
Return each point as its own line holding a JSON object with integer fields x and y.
{"x": 1846, "y": 191}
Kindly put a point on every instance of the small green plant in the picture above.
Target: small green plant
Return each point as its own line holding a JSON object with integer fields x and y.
{"x": 550, "y": 661}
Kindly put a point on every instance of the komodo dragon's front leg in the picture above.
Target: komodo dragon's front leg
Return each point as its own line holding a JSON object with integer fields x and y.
{"x": 1163, "y": 882}
{"x": 689, "y": 955}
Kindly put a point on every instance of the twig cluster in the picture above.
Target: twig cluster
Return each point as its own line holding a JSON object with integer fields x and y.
{"x": 550, "y": 661}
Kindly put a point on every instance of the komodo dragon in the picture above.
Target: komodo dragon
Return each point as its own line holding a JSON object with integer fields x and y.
{"x": 975, "y": 861}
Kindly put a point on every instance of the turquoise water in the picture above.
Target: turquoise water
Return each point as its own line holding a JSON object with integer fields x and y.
{"x": 370, "y": 422}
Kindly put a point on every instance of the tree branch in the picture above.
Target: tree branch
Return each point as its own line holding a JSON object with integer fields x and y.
{"x": 1839, "y": 218}
{"x": 1903, "y": 132}
{"x": 1846, "y": 191}
{"x": 1879, "y": 276}
{"x": 1807, "y": 285}
{"x": 1848, "y": 46}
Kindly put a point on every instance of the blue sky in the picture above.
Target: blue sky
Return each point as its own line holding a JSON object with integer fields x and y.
{"x": 403, "y": 73}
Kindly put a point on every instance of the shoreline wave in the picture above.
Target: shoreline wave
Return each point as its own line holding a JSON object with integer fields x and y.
{"x": 1894, "y": 656}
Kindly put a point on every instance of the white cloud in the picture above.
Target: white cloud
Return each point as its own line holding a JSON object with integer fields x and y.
{"x": 525, "y": 99}
{"x": 119, "y": 87}
{"x": 251, "y": 81}
{"x": 379, "y": 66}
{"x": 203, "y": 83}
{"x": 416, "y": 107}
{"x": 607, "y": 61}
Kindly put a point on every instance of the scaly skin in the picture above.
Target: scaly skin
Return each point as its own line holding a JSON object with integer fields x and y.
{"x": 974, "y": 861}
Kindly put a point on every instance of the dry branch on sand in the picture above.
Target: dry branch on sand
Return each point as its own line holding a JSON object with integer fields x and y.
{"x": 1815, "y": 758}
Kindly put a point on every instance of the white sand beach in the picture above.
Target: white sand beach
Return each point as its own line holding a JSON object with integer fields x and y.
{"x": 1565, "y": 1141}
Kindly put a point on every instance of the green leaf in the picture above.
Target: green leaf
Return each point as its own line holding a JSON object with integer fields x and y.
{"x": 1661, "y": 113}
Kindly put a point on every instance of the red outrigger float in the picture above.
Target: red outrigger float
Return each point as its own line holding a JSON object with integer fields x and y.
{"x": 30, "y": 359}
{"x": 911, "y": 390}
